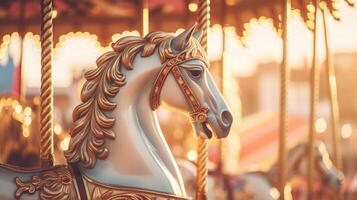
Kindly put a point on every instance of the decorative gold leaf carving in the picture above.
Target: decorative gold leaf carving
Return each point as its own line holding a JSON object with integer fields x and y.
{"x": 129, "y": 195}
{"x": 30, "y": 187}
{"x": 97, "y": 195}
{"x": 92, "y": 124}
{"x": 55, "y": 184}
{"x": 100, "y": 191}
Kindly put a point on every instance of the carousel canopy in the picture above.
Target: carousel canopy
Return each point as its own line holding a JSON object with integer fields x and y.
{"x": 121, "y": 15}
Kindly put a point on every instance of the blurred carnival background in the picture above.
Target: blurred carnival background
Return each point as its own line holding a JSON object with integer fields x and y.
{"x": 245, "y": 50}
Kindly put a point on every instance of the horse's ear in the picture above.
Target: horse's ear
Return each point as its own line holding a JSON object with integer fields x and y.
{"x": 197, "y": 35}
{"x": 180, "y": 41}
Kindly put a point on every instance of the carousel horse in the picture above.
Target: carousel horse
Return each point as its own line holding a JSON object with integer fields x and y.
{"x": 261, "y": 185}
{"x": 297, "y": 164}
{"x": 117, "y": 149}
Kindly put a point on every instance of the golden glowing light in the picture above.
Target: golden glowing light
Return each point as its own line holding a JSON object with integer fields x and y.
{"x": 54, "y": 14}
{"x": 77, "y": 52}
{"x": 215, "y": 45}
{"x": 6, "y": 38}
{"x": 18, "y": 108}
{"x": 192, "y": 155}
{"x": 3, "y": 47}
{"x": 337, "y": 5}
{"x": 310, "y": 7}
{"x": 36, "y": 100}
{"x": 29, "y": 35}
{"x": 74, "y": 53}
{"x": 27, "y": 111}
{"x": 15, "y": 35}
{"x": 36, "y": 38}
{"x": 65, "y": 143}
{"x": 274, "y": 193}
{"x": 322, "y": 5}
{"x": 27, "y": 120}
{"x": 180, "y": 30}
{"x": 25, "y": 132}
{"x": 14, "y": 103}
{"x": 231, "y": 2}
{"x": 23, "y": 117}
{"x": 115, "y": 37}
{"x": 145, "y": 21}
{"x": 192, "y": 7}
{"x": 346, "y": 131}
{"x": 57, "y": 129}
{"x": 320, "y": 125}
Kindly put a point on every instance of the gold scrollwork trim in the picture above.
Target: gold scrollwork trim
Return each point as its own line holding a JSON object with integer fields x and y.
{"x": 99, "y": 191}
{"x": 54, "y": 184}
{"x": 29, "y": 187}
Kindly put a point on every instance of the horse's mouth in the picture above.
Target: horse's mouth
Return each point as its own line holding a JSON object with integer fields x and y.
{"x": 207, "y": 129}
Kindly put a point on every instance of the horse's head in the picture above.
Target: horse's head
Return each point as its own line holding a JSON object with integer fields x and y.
{"x": 324, "y": 170}
{"x": 186, "y": 85}
{"x": 328, "y": 172}
{"x": 183, "y": 83}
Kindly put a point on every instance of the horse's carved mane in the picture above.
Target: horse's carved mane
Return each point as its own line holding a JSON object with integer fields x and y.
{"x": 92, "y": 125}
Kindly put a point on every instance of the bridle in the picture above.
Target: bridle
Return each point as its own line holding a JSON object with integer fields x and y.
{"x": 199, "y": 112}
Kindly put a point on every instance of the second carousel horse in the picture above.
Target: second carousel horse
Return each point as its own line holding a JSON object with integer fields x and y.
{"x": 260, "y": 185}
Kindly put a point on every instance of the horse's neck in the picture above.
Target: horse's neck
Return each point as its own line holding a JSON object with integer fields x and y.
{"x": 273, "y": 175}
{"x": 139, "y": 156}
{"x": 294, "y": 158}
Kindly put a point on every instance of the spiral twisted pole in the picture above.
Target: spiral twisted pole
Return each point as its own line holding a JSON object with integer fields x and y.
{"x": 314, "y": 100}
{"x": 284, "y": 84}
{"x": 145, "y": 17}
{"x": 203, "y": 22}
{"x": 335, "y": 113}
{"x": 334, "y": 109}
{"x": 202, "y": 171}
{"x": 46, "y": 84}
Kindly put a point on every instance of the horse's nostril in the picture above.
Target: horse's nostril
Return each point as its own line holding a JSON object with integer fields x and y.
{"x": 226, "y": 118}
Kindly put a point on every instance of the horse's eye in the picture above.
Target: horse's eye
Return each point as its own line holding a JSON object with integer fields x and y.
{"x": 195, "y": 73}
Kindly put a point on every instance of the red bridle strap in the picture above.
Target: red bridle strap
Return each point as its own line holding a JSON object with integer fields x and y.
{"x": 199, "y": 113}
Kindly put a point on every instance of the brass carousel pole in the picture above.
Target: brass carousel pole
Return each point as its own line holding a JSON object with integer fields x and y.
{"x": 314, "y": 99}
{"x": 335, "y": 115}
{"x": 203, "y": 22}
{"x": 145, "y": 17}
{"x": 21, "y": 91}
{"x": 221, "y": 164}
{"x": 284, "y": 83}
{"x": 46, "y": 151}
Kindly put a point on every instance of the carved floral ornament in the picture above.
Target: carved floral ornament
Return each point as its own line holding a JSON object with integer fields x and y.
{"x": 98, "y": 191}
{"x": 59, "y": 184}
{"x": 51, "y": 184}
{"x": 97, "y": 194}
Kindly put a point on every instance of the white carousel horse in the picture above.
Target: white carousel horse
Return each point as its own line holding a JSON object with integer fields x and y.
{"x": 261, "y": 185}
{"x": 117, "y": 150}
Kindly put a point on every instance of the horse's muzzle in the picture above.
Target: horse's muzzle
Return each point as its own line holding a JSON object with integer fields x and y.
{"x": 225, "y": 119}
